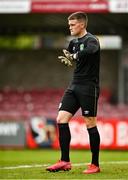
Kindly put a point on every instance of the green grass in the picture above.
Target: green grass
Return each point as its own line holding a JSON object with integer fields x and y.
{"x": 43, "y": 157}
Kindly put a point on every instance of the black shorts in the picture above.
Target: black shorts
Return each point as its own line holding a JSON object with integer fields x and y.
{"x": 80, "y": 96}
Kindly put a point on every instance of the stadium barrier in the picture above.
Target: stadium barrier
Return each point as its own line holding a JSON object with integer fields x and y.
{"x": 113, "y": 134}
{"x": 41, "y": 132}
{"x": 12, "y": 134}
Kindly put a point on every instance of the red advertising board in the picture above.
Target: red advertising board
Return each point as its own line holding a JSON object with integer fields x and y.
{"x": 61, "y": 6}
{"x": 113, "y": 133}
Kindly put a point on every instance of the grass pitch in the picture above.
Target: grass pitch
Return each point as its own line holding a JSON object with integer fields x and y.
{"x": 31, "y": 164}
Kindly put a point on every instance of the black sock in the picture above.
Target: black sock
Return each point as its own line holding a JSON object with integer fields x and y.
{"x": 64, "y": 140}
{"x": 94, "y": 144}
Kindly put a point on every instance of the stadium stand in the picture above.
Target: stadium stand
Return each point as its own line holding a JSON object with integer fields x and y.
{"x": 22, "y": 105}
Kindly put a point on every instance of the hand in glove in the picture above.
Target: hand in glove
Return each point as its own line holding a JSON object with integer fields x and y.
{"x": 65, "y": 60}
{"x": 68, "y": 55}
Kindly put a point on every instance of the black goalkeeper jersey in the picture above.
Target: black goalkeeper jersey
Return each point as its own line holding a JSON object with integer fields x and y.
{"x": 87, "y": 61}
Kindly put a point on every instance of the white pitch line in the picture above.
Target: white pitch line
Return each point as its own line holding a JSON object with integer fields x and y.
{"x": 45, "y": 165}
{"x": 25, "y": 166}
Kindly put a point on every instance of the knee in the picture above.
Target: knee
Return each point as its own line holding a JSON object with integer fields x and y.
{"x": 90, "y": 122}
{"x": 63, "y": 117}
{"x": 90, "y": 125}
{"x": 59, "y": 119}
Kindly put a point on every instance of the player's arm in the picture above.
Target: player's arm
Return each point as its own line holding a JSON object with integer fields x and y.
{"x": 91, "y": 47}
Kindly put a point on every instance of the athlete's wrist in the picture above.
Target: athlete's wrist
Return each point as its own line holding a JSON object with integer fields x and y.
{"x": 75, "y": 56}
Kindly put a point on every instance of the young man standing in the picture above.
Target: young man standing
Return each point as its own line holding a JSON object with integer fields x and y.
{"x": 83, "y": 91}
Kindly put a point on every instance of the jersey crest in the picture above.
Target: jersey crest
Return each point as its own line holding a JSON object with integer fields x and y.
{"x": 81, "y": 47}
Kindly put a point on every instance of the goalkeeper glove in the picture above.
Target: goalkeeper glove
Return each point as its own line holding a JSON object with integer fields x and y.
{"x": 65, "y": 60}
{"x": 68, "y": 55}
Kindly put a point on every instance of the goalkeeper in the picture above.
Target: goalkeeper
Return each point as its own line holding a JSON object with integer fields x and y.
{"x": 83, "y": 91}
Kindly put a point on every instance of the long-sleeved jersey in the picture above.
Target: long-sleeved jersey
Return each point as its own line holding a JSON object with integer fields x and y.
{"x": 87, "y": 60}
